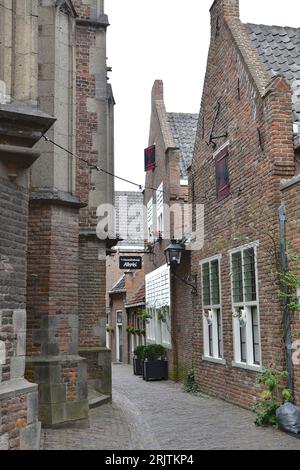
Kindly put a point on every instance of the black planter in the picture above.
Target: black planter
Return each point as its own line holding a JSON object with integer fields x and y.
{"x": 155, "y": 370}
{"x": 138, "y": 368}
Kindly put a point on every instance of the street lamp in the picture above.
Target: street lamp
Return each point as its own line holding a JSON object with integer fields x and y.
{"x": 173, "y": 254}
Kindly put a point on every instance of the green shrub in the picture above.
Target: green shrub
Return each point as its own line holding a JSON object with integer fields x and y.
{"x": 153, "y": 352}
{"x": 273, "y": 396}
{"x": 139, "y": 351}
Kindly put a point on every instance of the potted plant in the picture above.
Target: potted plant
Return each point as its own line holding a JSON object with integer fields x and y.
{"x": 110, "y": 329}
{"x": 155, "y": 363}
{"x": 138, "y": 360}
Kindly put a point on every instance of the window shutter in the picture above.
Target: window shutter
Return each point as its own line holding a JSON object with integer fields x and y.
{"x": 222, "y": 174}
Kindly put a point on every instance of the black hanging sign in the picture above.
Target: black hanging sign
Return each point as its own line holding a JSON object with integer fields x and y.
{"x": 130, "y": 262}
{"x": 150, "y": 158}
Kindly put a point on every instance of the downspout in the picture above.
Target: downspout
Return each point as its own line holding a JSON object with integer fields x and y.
{"x": 287, "y": 313}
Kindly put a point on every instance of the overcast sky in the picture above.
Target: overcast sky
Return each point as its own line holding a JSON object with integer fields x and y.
{"x": 168, "y": 40}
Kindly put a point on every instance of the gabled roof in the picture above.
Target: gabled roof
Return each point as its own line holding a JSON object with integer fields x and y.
{"x": 184, "y": 128}
{"x": 119, "y": 287}
{"x": 137, "y": 298}
{"x": 279, "y": 49}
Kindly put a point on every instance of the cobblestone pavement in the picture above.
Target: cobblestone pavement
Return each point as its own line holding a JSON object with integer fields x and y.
{"x": 159, "y": 415}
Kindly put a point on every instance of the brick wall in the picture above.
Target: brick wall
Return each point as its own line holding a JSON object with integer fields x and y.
{"x": 249, "y": 213}
{"x": 52, "y": 294}
{"x": 19, "y": 427}
{"x": 92, "y": 287}
{"x": 13, "y": 224}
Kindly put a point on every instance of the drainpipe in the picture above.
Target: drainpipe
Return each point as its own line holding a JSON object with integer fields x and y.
{"x": 287, "y": 313}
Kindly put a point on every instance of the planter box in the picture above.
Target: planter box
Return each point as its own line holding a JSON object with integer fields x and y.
{"x": 155, "y": 370}
{"x": 138, "y": 366}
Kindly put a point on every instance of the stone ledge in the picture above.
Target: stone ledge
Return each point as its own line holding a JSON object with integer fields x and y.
{"x": 54, "y": 359}
{"x": 55, "y": 196}
{"x": 16, "y": 387}
{"x": 102, "y": 349}
{"x": 285, "y": 184}
{"x": 100, "y": 22}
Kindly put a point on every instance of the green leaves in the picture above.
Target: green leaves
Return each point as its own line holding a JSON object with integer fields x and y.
{"x": 272, "y": 397}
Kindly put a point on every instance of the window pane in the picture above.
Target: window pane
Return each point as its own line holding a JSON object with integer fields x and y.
{"x": 255, "y": 335}
{"x": 220, "y": 339}
{"x": 215, "y": 290}
{"x": 237, "y": 277}
{"x": 206, "y": 284}
{"x": 249, "y": 275}
{"x": 243, "y": 345}
{"x": 210, "y": 340}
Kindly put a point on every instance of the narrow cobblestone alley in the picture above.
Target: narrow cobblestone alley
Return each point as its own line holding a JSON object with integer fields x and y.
{"x": 159, "y": 415}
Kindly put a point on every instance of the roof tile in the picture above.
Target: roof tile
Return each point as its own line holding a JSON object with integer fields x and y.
{"x": 279, "y": 49}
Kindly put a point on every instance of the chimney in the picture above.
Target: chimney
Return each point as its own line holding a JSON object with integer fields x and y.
{"x": 226, "y": 8}
{"x": 158, "y": 91}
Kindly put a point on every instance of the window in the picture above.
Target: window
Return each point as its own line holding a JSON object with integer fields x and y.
{"x": 222, "y": 173}
{"x": 160, "y": 208}
{"x": 245, "y": 305}
{"x": 211, "y": 302}
{"x": 158, "y": 329}
{"x": 150, "y": 219}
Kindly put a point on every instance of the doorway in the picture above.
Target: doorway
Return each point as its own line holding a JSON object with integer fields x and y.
{"x": 119, "y": 336}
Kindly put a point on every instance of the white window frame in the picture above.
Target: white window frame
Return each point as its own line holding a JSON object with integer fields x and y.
{"x": 160, "y": 208}
{"x": 150, "y": 219}
{"x": 212, "y": 311}
{"x": 245, "y": 307}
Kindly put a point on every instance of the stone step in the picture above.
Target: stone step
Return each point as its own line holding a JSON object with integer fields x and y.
{"x": 96, "y": 398}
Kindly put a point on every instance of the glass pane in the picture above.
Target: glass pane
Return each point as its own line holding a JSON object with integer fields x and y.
{"x": 237, "y": 277}
{"x": 255, "y": 335}
{"x": 220, "y": 339}
{"x": 210, "y": 340}
{"x": 256, "y": 354}
{"x": 215, "y": 289}
{"x": 243, "y": 345}
{"x": 249, "y": 275}
{"x": 206, "y": 284}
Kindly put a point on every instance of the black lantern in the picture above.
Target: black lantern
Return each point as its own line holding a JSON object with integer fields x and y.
{"x": 173, "y": 254}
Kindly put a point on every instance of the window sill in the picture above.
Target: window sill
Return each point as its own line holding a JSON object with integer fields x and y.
{"x": 214, "y": 360}
{"x": 241, "y": 365}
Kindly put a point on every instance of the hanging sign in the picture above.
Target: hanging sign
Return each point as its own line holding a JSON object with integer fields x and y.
{"x": 130, "y": 262}
{"x": 150, "y": 158}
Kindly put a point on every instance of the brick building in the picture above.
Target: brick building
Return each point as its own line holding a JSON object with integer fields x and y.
{"x": 53, "y": 70}
{"x": 246, "y": 145}
{"x": 21, "y": 127}
{"x": 126, "y": 288}
{"x": 173, "y": 136}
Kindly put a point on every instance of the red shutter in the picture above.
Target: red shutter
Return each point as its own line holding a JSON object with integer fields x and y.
{"x": 222, "y": 174}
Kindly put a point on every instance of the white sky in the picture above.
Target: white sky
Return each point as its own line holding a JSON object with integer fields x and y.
{"x": 168, "y": 40}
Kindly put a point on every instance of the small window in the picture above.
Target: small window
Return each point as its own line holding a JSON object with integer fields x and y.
{"x": 222, "y": 174}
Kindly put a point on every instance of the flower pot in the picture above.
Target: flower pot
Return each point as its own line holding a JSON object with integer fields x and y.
{"x": 155, "y": 370}
{"x": 138, "y": 368}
